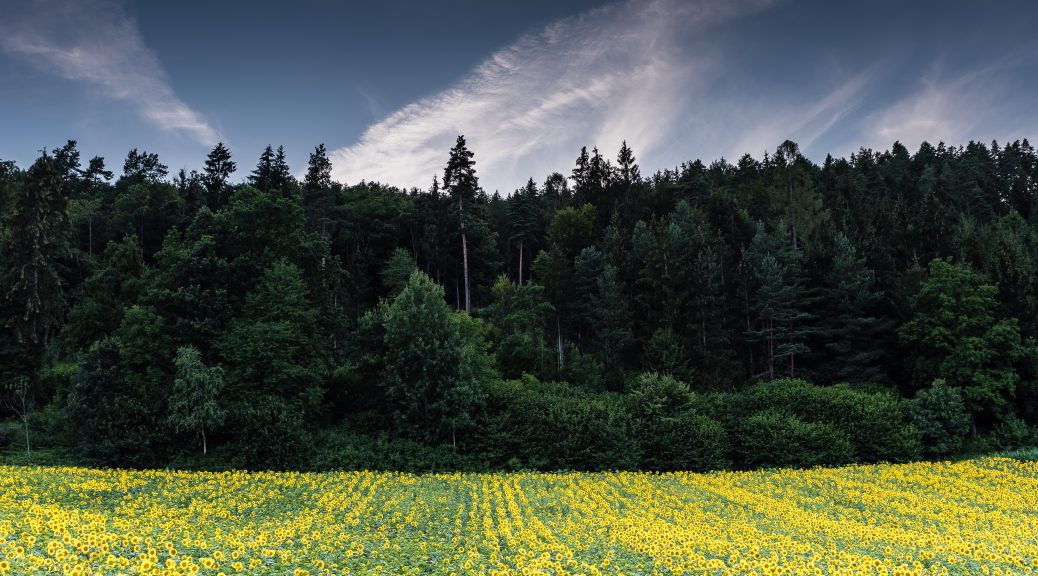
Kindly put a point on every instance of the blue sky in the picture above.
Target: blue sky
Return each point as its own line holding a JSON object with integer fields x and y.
{"x": 387, "y": 87}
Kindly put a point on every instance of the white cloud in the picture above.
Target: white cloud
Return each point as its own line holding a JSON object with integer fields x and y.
{"x": 980, "y": 104}
{"x": 95, "y": 43}
{"x": 624, "y": 71}
{"x": 803, "y": 123}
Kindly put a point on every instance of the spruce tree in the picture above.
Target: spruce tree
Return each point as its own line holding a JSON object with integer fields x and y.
{"x": 37, "y": 243}
{"x": 217, "y": 174}
{"x": 855, "y": 335}
{"x": 524, "y": 221}
{"x": 318, "y": 191}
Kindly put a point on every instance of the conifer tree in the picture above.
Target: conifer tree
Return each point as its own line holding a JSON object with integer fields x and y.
{"x": 217, "y": 174}
{"x": 37, "y": 242}
{"x": 460, "y": 182}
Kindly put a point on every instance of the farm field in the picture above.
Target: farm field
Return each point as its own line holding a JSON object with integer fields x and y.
{"x": 971, "y": 517}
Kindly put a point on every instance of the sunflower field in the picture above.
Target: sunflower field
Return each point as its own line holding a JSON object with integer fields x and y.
{"x": 970, "y": 517}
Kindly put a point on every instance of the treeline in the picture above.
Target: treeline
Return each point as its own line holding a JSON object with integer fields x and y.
{"x": 770, "y": 312}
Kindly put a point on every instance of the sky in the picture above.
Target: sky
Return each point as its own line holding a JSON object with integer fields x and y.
{"x": 388, "y": 86}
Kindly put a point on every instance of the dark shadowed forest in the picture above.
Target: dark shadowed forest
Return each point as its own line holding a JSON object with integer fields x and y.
{"x": 774, "y": 311}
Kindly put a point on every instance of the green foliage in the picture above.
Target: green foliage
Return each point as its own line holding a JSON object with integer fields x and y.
{"x": 516, "y": 326}
{"x": 194, "y": 404}
{"x": 346, "y": 450}
{"x": 671, "y": 434}
{"x": 939, "y": 414}
{"x": 275, "y": 365}
{"x": 397, "y": 272}
{"x": 713, "y": 275}
{"x": 547, "y": 426}
{"x": 957, "y": 334}
{"x": 121, "y": 391}
{"x": 432, "y": 358}
{"x": 663, "y": 353}
{"x": 876, "y": 423}
{"x": 774, "y": 439}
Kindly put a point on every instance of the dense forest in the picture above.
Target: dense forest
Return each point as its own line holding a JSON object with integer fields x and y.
{"x": 882, "y": 307}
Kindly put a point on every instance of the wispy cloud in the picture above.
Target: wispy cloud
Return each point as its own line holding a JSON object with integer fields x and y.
{"x": 95, "y": 43}
{"x": 619, "y": 72}
{"x": 977, "y": 104}
{"x": 804, "y": 123}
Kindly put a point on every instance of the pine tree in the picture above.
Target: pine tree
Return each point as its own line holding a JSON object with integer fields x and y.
{"x": 524, "y": 219}
{"x": 627, "y": 170}
{"x": 779, "y": 301}
{"x": 855, "y": 336}
{"x": 614, "y": 335}
{"x": 37, "y": 242}
{"x": 460, "y": 182}
{"x": 216, "y": 176}
{"x": 280, "y": 175}
{"x": 263, "y": 175}
{"x": 318, "y": 191}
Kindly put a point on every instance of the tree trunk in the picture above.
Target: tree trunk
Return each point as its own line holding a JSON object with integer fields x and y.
{"x": 464, "y": 257}
{"x": 771, "y": 351}
{"x": 558, "y": 332}
{"x": 25, "y": 424}
{"x": 520, "y": 262}
{"x": 465, "y": 273}
{"x": 204, "y": 447}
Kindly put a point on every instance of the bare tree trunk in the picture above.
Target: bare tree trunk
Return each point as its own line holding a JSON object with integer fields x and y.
{"x": 23, "y": 410}
{"x": 520, "y": 262}
{"x": 204, "y": 447}
{"x": 465, "y": 272}
{"x": 558, "y": 332}
{"x": 464, "y": 257}
{"x": 771, "y": 350}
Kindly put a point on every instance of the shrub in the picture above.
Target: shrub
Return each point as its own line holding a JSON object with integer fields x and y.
{"x": 876, "y": 423}
{"x": 774, "y": 439}
{"x": 939, "y": 414}
{"x": 549, "y": 426}
{"x": 346, "y": 450}
{"x": 1011, "y": 433}
{"x": 672, "y": 435}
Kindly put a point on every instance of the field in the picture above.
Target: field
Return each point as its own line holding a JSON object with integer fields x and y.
{"x": 971, "y": 517}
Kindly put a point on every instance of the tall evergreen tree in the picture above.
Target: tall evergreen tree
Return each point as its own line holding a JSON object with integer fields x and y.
{"x": 36, "y": 245}
{"x": 854, "y": 333}
{"x": 779, "y": 301}
{"x": 217, "y": 174}
{"x": 318, "y": 191}
{"x": 263, "y": 175}
{"x": 524, "y": 220}
{"x": 460, "y": 182}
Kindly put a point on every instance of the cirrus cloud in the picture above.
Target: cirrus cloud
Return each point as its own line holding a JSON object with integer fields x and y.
{"x": 94, "y": 43}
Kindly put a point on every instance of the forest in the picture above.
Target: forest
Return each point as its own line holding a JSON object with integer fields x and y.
{"x": 771, "y": 312}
